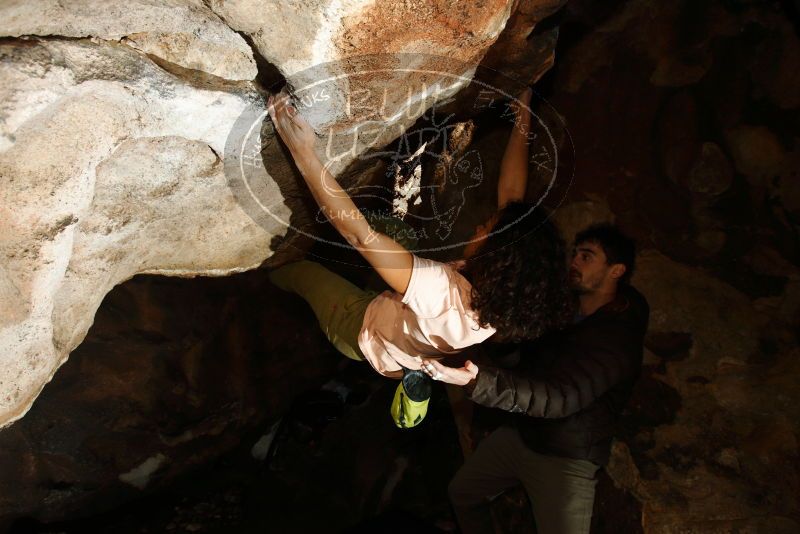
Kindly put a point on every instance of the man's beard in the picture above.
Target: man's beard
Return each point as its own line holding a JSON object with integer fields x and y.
{"x": 577, "y": 285}
{"x": 578, "y": 288}
{"x": 574, "y": 279}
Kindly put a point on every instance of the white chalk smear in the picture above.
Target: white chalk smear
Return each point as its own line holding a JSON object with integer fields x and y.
{"x": 139, "y": 476}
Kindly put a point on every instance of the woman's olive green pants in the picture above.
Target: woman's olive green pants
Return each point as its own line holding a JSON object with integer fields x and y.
{"x": 338, "y": 304}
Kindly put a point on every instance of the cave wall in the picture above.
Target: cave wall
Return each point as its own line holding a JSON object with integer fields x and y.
{"x": 682, "y": 118}
{"x": 686, "y": 130}
{"x": 173, "y": 373}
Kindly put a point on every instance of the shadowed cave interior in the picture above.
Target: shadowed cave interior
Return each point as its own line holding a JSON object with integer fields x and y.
{"x": 217, "y": 405}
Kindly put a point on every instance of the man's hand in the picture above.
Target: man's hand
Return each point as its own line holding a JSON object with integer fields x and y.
{"x": 459, "y": 376}
{"x": 291, "y": 126}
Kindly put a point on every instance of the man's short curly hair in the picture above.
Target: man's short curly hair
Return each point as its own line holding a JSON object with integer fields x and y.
{"x": 519, "y": 275}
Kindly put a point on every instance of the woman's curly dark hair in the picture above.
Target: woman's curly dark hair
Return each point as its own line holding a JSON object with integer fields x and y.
{"x": 519, "y": 275}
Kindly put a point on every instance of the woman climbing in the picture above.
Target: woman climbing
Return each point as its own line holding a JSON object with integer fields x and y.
{"x": 512, "y": 283}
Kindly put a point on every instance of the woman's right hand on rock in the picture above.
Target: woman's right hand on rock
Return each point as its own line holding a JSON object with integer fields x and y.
{"x": 295, "y": 131}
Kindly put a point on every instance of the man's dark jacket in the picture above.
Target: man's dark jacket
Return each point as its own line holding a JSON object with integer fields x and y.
{"x": 573, "y": 384}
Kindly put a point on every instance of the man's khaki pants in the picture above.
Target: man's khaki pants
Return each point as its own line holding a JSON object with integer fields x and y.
{"x": 561, "y": 490}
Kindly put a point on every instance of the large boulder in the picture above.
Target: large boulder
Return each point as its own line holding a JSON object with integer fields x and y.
{"x": 370, "y": 67}
{"x": 184, "y": 32}
{"x": 110, "y": 168}
{"x": 117, "y": 124}
{"x": 115, "y": 117}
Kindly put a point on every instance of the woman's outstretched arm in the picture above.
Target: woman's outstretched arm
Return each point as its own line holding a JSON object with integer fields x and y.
{"x": 390, "y": 259}
{"x": 514, "y": 166}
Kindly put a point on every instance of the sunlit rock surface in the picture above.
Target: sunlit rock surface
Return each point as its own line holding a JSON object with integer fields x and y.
{"x": 184, "y": 32}
{"x": 379, "y": 63}
{"x": 114, "y": 127}
{"x": 110, "y": 167}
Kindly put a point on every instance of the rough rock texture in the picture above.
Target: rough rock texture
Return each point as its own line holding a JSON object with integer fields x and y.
{"x": 110, "y": 168}
{"x": 381, "y": 64}
{"x": 718, "y": 461}
{"x": 332, "y": 30}
{"x": 114, "y": 119}
{"x": 683, "y": 117}
{"x": 137, "y": 184}
{"x": 523, "y": 53}
{"x": 184, "y": 32}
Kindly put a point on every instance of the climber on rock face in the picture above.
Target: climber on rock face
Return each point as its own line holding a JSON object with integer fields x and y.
{"x": 512, "y": 284}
